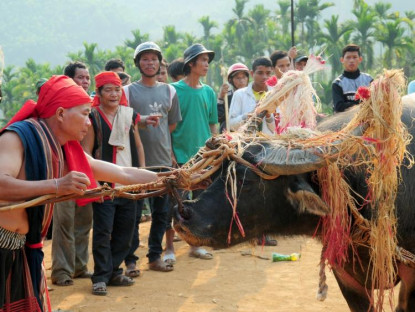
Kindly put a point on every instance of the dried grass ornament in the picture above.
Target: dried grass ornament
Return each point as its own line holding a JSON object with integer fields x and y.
{"x": 295, "y": 97}
{"x": 381, "y": 150}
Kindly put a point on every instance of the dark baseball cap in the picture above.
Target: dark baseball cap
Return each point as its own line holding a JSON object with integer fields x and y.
{"x": 301, "y": 58}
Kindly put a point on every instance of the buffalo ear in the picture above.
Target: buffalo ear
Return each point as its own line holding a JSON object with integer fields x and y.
{"x": 303, "y": 197}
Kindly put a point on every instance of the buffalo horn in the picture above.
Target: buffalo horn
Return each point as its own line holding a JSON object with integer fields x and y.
{"x": 279, "y": 160}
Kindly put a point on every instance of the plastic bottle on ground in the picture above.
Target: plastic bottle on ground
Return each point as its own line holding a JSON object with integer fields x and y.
{"x": 281, "y": 257}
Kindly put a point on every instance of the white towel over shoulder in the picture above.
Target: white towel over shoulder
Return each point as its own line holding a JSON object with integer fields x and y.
{"x": 120, "y": 135}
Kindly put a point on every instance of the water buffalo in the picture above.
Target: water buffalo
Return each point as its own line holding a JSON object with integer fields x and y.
{"x": 291, "y": 205}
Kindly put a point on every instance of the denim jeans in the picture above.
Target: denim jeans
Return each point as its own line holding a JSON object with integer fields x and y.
{"x": 111, "y": 241}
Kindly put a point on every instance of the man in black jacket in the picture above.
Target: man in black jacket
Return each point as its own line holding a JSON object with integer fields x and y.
{"x": 345, "y": 86}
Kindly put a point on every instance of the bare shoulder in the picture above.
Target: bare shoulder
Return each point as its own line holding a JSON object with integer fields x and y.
{"x": 11, "y": 153}
{"x": 9, "y": 140}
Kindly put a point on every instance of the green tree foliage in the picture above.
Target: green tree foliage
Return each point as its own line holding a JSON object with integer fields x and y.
{"x": 366, "y": 17}
{"x": 335, "y": 36}
{"x": 386, "y": 38}
{"x": 391, "y": 35}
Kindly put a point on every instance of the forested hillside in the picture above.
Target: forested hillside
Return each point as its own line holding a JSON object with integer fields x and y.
{"x": 40, "y": 37}
{"x": 46, "y": 30}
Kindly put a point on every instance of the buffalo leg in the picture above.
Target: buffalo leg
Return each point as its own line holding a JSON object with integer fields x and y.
{"x": 407, "y": 289}
{"x": 356, "y": 299}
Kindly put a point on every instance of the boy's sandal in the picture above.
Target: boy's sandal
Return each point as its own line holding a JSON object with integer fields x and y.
{"x": 121, "y": 280}
{"x": 99, "y": 289}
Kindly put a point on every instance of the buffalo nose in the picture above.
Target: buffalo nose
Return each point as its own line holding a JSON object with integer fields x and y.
{"x": 185, "y": 211}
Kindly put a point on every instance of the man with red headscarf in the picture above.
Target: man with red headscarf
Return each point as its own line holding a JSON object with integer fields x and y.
{"x": 40, "y": 154}
{"x": 71, "y": 223}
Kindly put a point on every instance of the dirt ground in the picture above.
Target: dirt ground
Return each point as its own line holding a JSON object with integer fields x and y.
{"x": 229, "y": 282}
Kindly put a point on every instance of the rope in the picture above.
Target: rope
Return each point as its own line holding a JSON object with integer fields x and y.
{"x": 322, "y": 285}
{"x": 193, "y": 175}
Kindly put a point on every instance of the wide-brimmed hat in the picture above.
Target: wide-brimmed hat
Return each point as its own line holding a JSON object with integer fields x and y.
{"x": 193, "y": 51}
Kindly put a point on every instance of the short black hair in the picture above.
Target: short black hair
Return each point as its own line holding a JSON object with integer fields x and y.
{"x": 123, "y": 75}
{"x": 175, "y": 68}
{"x": 277, "y": 55}
{"x": 164, "y": 63}
{"x": 70, "y": 69}
{"x": 186, "y": 67}
{"x": 351, "y": 48}
{"x": 261, "y": 61}
{"x": 113, "y": 64}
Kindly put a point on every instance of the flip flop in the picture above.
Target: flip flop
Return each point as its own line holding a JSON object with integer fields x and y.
{"x": 132, "y": 271}
{"x": 201, "y": 254}
{"x": 169, "y": 258}
{"x": 121, "y": 280}
{"x": 160, "y": 266}
{"x": 64, "y": 282}
{"x": 99, "y": 289}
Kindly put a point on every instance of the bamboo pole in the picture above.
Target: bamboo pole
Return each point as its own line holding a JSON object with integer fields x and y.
{"x": 225, "y": 100}
{"x": 292, "y": 24}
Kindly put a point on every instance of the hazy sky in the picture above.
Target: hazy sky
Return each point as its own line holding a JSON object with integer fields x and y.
{"x": 47, "y": 30}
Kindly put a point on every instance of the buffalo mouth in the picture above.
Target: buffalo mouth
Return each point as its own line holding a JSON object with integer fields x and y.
{"x": 191, "y": 232}
{"x": 182, "y": 227}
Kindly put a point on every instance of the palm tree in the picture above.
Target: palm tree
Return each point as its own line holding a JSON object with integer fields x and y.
{"x": 9, "y": 74}
{"x": 383, "y": 14}
{"x": 392, "y": 36}
{"x": 364, "y": 30}
{"x": 241, "y": 22}
{"x": 123, "y": 53}
{"x": 410, "y": 14}
{"x": 11, "y": 93}
{"x": 232, "y": 49}
{"x": 307, "y": 13}
{"x": 137, "y": 39}
{"x": 207, "y": 25}
{"x": 170, "y": 35}
{"x": 314, "y": 12}
{"x": 283, "y": 15}
{"x": 409, "y": 19}
{"x": 188, "y": 39}
{"x": 301, "y": 14}
{"x": 259, "y": 16}
{"x": 172, "y": 52}
{"x": 92, "y": 58}
{"x": 381, "y": 9}
{"x": 335, "y": 36}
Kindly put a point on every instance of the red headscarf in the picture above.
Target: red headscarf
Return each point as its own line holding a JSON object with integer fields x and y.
{"x": 60, "y": 91}
{"x": 108, "y": 77}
